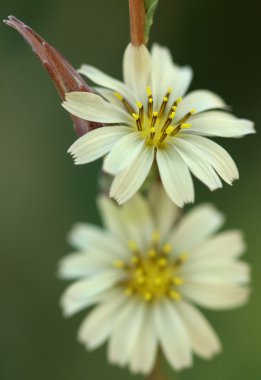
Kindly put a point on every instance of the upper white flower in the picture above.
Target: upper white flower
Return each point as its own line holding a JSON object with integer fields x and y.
{"x": 145, "y": 272}
{"x": 148, "y": 120}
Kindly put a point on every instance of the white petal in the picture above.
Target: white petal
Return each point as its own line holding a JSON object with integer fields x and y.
{"x": 216, "y": 156}
{"x": 216, "y": 296}
{"x": 87, "y": 292}
{"x": 203, "y": 338}
{"x": 145, "y": 351}
{"x": 100, "y": 323}
{"x": 78, "y": 265}
{"x": 127, "y": 183}
{"x": 124, "y": 338}
{"x": 172, "y": 334}
{"x": 200, "y": 100}
{"x": 165, "y": 212}
{"x": 88, "y": 237}
{"x": 123, "y": 153}
{"x": 220, "y": 124}
{"x": 96, "y": 143}
{"x": 93, "y": 107}
{"x": 165, "y": 75}
{"x": 136, "y": 69}
{"x": 196, "y": 226}
{"x": 175, "y": 176}
{"x": 226, "y": 246}
{"x": 107, "y": 81}
{"x": 195, "y": 160}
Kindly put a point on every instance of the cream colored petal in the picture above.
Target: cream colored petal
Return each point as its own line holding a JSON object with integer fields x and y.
{"x": 224, "y": 246}
{"x": 99, "y": 324}
{"x": 216, "y": 156}
{"x": 145, "y": 351}
{"x": 84, "y": 293}
{"x": 93, "y": 107}
{"x": 200, "y": 100}
{"x": 165, "y": 212}
{"x": 88, "y": 237}
{"x": 107, "y": 81}
{"x": 216, "y": 296}
{"x": 216, "y": 123}
{"x": 172, "y": 335}
{"x": 124, "y": 152}
{"x": 195, "y": 160}
{"x": 123, "y": 340}
{"x": 136, "y": 70}
{"x": 127, "y": 183}
{"x": 96, "y": 143}
{"x": 195, "y": 227}
{"x": 175, "y": 176}
{"x": 204, "y": 340}
{"x": 165, "y": 74}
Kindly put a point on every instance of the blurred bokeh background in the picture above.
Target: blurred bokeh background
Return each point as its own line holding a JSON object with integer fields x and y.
{"x": 43, "y": 193}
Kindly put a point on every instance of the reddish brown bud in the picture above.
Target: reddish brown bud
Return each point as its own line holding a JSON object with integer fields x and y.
{"x": 63, "y": 75}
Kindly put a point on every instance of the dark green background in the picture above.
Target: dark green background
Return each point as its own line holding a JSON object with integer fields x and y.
{"x": 43, "y": 193}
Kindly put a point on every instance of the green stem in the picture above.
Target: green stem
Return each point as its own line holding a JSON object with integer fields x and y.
{"x": 137, "y": 22}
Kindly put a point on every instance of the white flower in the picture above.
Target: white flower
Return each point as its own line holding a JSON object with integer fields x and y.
{"x": 148, "y": 120}
{"x": 145, "y": 273}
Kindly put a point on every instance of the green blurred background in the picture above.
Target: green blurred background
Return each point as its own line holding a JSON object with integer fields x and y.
{"x": 43, "y": 193}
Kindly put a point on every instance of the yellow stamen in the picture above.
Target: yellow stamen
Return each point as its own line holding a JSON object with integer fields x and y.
{"x": 158, "y": 281}
{"x": 148, "y": 296}
{"x": 162, "y": 262}
{"x": 178, "y": 281}
{"x": 119, "y": 264}
{"x": 167, "y": 248}
{"x": 118, "y": 95}
{"x": 125, "y": 102}
{"x": 128, "y": 291}
{"x": 154, "y": 119}
{"x": 168, "y": 121}
{"x": 138, "y": 122}
{"x": 152, "y": 133}
{"x": 175, "y": 295}
{"x": 141, "y": 280}
{"x": 187, "y": 116}
{"x": 141, "y": 111}
{"x": 152, "y": 253}
{"x": 135, "y": 260}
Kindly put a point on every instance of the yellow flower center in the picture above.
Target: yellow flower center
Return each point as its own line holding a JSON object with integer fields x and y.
{"x": 157, "y": 126}
{"x": 153, "y": 275}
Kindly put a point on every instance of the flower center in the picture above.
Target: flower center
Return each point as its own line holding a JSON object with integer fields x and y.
{"x": 153, "y": 275}
{"x": 157, "y": 126}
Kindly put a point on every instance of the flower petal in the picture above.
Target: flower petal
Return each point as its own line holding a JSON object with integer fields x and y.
{"x": 200, "y": 100}
{"x": 196, "y": 226}
{"x": 136, "y": 70}
{"x": 221, "y": 124}
{"x": 166, "y": 74}
{"x": 195, "y": 160}
{"x": 128, "y": 182}
{"x": 165, "y": 212}
{"x": 175, "y": 176}
{"x": 204, "y": 340}
{"x": 93, "y": 107}
{"x": 107, "y": 81}
{"x": 172, "y": 335}
{"x": 214, "y": 296}
{"x": 84, "y": 293}
{"x": 99, "y": 324}
{"x": 96, "y": 143}
{"x": 124, "y": 152}
{"x": 216, "y": 156}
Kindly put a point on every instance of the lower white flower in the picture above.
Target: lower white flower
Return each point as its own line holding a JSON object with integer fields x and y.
{"x": 148, "y": 120}
{"x": 145, "y": 273}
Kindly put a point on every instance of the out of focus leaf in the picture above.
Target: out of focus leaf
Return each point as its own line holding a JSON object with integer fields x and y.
{"x": 150, "y": 8}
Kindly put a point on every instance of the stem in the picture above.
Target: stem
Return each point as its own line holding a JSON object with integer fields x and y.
{"x": 157, "y": 373}
{"x": 137, "y": 22}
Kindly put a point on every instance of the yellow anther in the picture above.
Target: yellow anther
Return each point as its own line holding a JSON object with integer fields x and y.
{"x": 167, "y": 248}
{"x": 148, "y": 296}
{"x": 152, "y": 253}
{"x": 141, "y": 280}
{"x": 155, "y": 236}
{"x": 138, "y": 272}
{"x": 172, "y": 115}
{"x": 139, "y": 104}
{"x": 193, "y": 111}
{"x": 169, "y": 130}
{"x": 119, "y": 264}
{"x": 148, "y": 89}
{"x": 169, "y": 91}
{"x": 135, "y": 116}
{"x": 128, "y": 291}
{"x": 165, "y": 99}
{"x": 135, "y": 259}
{"x": 175, "y": 295}
{"x": 150, "y": 100}
{"x": 158, "y": 281}
{"x": 174, "y": 108}
{"x": 162, "y": 262}
{"x": 118, "y": 95}
{"x": 178, "y": 281}
{"x": 178, "y": 101}
{"x": 133, "y": 246}
{"x": 185, "y": 126}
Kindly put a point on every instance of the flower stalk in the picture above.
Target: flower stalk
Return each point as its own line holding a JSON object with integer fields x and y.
{"x": 157, "y": 373}
{"x": 137, "y": 22}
